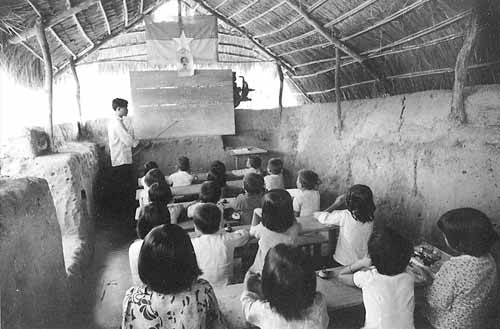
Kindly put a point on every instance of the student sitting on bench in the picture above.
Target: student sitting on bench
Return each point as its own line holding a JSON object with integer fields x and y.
{"x": 217, "y": 173}
{"x": 182, "y": 177}
{"x": 215, "y": 247}
{"x": 246, "y": 203}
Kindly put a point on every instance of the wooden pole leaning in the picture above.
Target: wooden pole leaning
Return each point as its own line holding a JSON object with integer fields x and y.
{"x": 48, "y": 78}
{"x": 77, "y": 92}
{"x": 280, "y": 95}
{"x": 457, "y": 113}
{"x": 337, "y": 90}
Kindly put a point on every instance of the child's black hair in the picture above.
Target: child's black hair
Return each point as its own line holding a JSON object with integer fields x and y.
{"x": 183, "y": 164}
{"x": 389, "y": 251}
{"x": 160, "y": 193}
{"x": 149, "y": 165}
{"x": 253, "y": 183}
{"x": 210, "y": 191}
{"x": 308, "y": 179}
{"x": 275, "y": 166}
{"x": 255, "y": 161}
{"x": 359, "y": 201}
{"x": 150, "y": 216}
{"x": 118, "y": 102}
{"x": 154, "y": 176}
{"x": 277, "y": 210}
{"x": 206, "y": 218}
{"x": 288, "y": 281}
{"x": 468, "y": 231}
{"x": 217, "y": 173}
{"x": 167, "y": 262}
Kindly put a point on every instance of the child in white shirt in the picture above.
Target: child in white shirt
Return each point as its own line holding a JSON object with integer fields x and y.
{"x": 273, "y": 224}
{"x": 306, "y": 202}
{"x": 285, "y": 297}
{"x": 182, "y": 177}
{"x": 356, "y": 223}
{"x": 274, "y": 179}
{"x": 210, "y": 192}
{"x": 151, "y": 216}
{"x": 388, "y": 290}
{"x": 215, "y": 248}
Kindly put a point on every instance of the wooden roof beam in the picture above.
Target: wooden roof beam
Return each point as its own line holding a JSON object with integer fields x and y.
{"x": 105, "y": 16}
{"x": 63, "y": 44}
{"x": 125, "y": 12}
{"x": 337, "y": 42}
{"x": 263, "y": 13}
{"x": 250, "y": 37}
{"x": 221, "y": 4}
{"x": 51, "y": 21}
{"x": 80, "y": 27}
{"x": 296, "y": 38}
{"x": 388, "y": 19}
{"x": 35, "y": 9}
{"x": 141, "y": 7}
{"x": 350, "y": 13}
{"x": 236, "y": 13}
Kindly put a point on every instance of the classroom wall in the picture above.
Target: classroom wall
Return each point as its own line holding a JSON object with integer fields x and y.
{"x": 417, "y": 162}
{"x": 34, "y": 285}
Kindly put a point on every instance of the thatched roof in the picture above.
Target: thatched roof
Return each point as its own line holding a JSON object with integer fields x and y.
{"x": 386, "y": 46}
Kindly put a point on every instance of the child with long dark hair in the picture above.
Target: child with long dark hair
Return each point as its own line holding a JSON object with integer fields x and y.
{"x": 273, "y": 224}
{"x": 285, "y": 296}
{"x": 356, "y": 223}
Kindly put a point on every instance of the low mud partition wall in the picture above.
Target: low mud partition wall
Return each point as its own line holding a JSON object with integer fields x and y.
{"x": 34, "y": 284}
{"x": 418, "y": 163}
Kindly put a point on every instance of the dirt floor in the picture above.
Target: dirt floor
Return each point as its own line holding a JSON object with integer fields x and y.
{"x": 109, "y": 277}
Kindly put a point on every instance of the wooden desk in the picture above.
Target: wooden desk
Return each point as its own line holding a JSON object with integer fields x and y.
{"x": 194, "y": 189}
{"x": 338, "y": 296}
{"x": 245, "y": 151}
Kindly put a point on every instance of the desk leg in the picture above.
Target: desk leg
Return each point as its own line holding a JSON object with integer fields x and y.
{"x": 236, "y": 162}
{"x": 332, "y": 241}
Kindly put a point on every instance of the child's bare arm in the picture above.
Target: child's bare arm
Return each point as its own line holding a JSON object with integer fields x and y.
{"x": 338, "y": 204}
{"x": 356, "y": 266}
{"x": 347, "y": 279}
{"x": 257, "y": 214}
{"x": 253, "y": 283}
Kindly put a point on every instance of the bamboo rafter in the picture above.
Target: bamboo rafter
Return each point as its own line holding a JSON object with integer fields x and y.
{"x": 125, "y": 12}
{"x": 319, "y": 45}
{"x": 35, "y": 9}
{"x": 236, "y": 13}
{"x": 350, "y": 13}
{"x": 105, "y": 16}
{"x": 100, "y": 43}
{"x": 410, "y": 75}
{"x": 63, "y": 44}
{"x": 310, "y": 10}
{"x": 80, "y": 27}
{"x": 263, "y": 13}
{"x": 388, "y": 19}
{"x": 221, "y": 4}
{"x": 51, "y": 21}
{"x": 296, "y": 38}
{"x": 141, "y": 7}
{"x": 377, "y": 55}
{"x": 337, "y": 42}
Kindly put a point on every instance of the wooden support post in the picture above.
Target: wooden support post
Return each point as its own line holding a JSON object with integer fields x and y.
{"x": 77, "y": 91}
{"x": 457, "y": 101}
{"x": 44, "y": 45}
{"x": 280, "y": 96}
{"x": 337, "y": 90}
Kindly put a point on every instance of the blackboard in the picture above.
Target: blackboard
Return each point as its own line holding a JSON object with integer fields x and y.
{"x": 200, "y": 105}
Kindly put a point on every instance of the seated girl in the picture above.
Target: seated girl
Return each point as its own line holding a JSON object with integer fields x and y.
{"x": 356, "y": 223}
{"x": 388, "y": 290}
{"x": 286, "y": 296}
{"x": 273, "y": 224}
{"x": 217, "y": 173}
{"x": 182, "y": 177}
{"x": 151, "y": 216}
{"x": 464, "y": 291}
{"x": 172, "y": 295}
{"x": 306, "y": 202}
{"x": 246, "y": 203}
